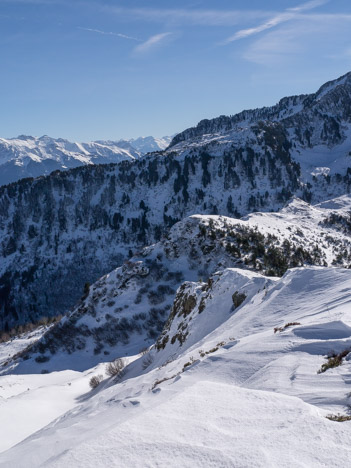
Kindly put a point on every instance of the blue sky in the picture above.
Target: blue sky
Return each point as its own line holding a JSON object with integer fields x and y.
{"x": 90, "y": 69}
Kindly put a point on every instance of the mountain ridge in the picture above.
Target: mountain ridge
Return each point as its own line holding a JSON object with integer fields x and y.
{"x": 250, "y": 116}
{"x": 72, "y": 227}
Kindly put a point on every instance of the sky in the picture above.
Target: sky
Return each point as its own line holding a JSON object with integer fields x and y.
{"x": 111, "y": 69}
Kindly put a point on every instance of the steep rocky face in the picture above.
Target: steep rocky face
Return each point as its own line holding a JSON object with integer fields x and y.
{"x": 191, "y": 318}
{"x": 315, "y": 130}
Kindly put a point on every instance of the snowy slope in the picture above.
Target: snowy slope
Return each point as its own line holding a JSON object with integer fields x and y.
{"x": 231, "y": 382}
{"x": 126, "y": 310}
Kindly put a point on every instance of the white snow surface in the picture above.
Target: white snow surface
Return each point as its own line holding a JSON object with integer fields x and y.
{"x": 233, "y": 394}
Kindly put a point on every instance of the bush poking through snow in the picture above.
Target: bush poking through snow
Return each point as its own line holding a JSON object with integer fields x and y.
{"x": 189, "y": 363}
{"x": 338, "y": 417}
{"x": 335, "y": 360}
{"x": 290, "y": 324}
{"x": 158, "y": 382}
{"x": 238, "y": 299}
{"x": 95, "y": 381}
{"x": 115, "y": 367}
{"x": 213, "y": 350}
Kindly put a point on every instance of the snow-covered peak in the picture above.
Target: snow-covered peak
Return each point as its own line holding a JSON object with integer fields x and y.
{"x": 150, "y": 143}
{"x": 28, "y": 156}
{"x": 331, "y": 85}
{"x": 310, "y": 120}
{"x": 297, "y": 206}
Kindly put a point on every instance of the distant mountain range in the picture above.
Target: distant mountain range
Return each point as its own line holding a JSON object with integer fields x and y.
{"x": 27, "y": 156}
{"x": 148, "y": 144}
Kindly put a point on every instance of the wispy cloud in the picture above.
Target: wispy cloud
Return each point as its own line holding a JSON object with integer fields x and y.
{"x": 287, "y": 15}
{"x": 308, "y": 5}
{"x": 152, "y": 42}
{"x": 275, "y": 47}
{"x": 182, "y": 16}
{"x": 107, "y": 33}
{"x": 308, "y": 35}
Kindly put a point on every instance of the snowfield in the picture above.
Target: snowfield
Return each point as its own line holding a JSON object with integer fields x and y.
{"x": 233, "y": 393}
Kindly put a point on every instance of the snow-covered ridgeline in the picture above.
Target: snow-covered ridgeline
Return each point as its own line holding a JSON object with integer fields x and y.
{"x": 313, "y": 118}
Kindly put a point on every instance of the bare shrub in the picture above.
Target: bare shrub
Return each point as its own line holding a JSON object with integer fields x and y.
{"x": 27, "y": 327}
{"x": 95, "y": 381}
{"x": 44, "y": 321}
{"x": 334, "y": 360}
{"x": 287, "y": 325}
{"x": 115, "y": 367}
{"x": 4, "y": 337}
{"x": 338, "y": 417}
